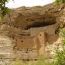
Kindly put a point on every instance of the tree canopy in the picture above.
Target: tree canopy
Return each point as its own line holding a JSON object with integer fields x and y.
{"x": 3, "y": 8}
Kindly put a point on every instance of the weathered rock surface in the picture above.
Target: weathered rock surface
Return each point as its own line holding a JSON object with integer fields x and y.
{"x": 32, "y": 29}
{"x": 39, "y": 16}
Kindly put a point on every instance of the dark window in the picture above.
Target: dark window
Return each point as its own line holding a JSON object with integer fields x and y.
{"x": 40, "y": 35}
{"x": 21, "y": 40}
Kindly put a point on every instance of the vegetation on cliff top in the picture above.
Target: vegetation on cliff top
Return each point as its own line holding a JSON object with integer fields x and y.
{"x": 3, "y": 9}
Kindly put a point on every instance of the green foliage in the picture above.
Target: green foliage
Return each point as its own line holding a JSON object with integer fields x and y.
{"x": 3, "y": 9}
{"x": 60, "y": 1}
{"x": 59, "y": 58}
{"x": 62, "y": 33}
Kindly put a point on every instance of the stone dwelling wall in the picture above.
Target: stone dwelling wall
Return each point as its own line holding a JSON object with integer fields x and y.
{"x": 50, "y": 30}
{"x": 42, "y": 42}
{"x": 29, "y": 47}
{"x": 26, "y": 48}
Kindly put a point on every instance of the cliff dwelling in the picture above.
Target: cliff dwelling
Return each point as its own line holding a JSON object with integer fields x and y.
{"x": 29, "y": 47}
{"x": 32, "y": 43}
{"x": 32, "y": 30}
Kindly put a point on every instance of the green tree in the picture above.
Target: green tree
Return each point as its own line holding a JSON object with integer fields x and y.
{"x": 3, "y": 9}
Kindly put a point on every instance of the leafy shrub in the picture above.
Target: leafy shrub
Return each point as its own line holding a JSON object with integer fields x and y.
{"x": 60, "y": 1}
{"x": 59, "y": 58}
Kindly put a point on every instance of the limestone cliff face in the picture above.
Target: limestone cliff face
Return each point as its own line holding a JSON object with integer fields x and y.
{"x": 39, "y": 16}
{"x": 25, "y": 18}
{"x": 48, "y": 18}
{"x": 25, "y": 23}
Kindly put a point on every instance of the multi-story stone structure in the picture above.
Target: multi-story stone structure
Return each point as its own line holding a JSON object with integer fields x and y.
{"x": 29, "y": 47}
{"x": 27, "y": 44}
